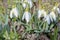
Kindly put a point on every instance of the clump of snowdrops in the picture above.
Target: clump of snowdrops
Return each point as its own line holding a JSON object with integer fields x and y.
{"x": 36, "y": 17}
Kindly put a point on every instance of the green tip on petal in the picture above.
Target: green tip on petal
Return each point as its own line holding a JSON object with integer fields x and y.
{"x": 13, "y": 6}
{"x": 27, "y": 9}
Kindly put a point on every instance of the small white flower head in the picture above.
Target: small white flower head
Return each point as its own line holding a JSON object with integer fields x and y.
{"x": 24, "y": 5}
{"x": 22, "y": 0}
{"x": 41, "y": 12}
{"x": 29, "y": 2}
{"x": 52, "y": 16}
{"x": 26, "y": 16}
{"x": 14, "y": 12}
{"x": 47, "y": 19}
{"x": 55, "y": 7}
{"x": 44, "y": 13}
{"x": 58, "y": 10}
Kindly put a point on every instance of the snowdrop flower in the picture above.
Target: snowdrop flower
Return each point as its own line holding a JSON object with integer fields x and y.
{"x": 24, "y": 5}
{"x": 55, "y": 7}
{"x": 41, "y": 12}
{"x": 26, "y": 16}
{"x": 29, "y": 2}
{"x": 52, "y": 16}
{"x": 58, "y": 10}
{"x": 47, "y": 19}
{"x": 44, "y": 13}
{"x": 14, "y": 12}
{"x": 22, "y": 0}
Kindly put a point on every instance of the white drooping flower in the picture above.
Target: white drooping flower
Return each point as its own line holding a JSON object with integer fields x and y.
{"x": 47, "y": 19}
{"x": 26, "y": 16}
{"x": 58, "y": 10}
{"x": 22, "y": 0}
{"x": 41, "y": 12}
{"x": 24, "y": 5}
{"x": 52, "y": 16}
{"x": 14, "y": 12}
{"x": 44, "y": 13}
{"x": 29, "y": 2}
{"x": 55, "y": 7}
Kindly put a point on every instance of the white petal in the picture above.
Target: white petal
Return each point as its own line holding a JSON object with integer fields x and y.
{"x": 29, "y": 0}
{"x": 58, "y": 10}
{"x": 26, "y": 16}
{"x": 22, "y": 0}
{"x": 48, "y": 19}
{"x": 52, "y": 15}
{"x": 11, "y": 15}
{"x": 23, "y": 16}
{"x": 51, "y": 18}
{"x": 44, "y": 13}
{"x": 14, "y": 12}
{"x": 39, "y": 14}
{"x": 30, "y": 3}
{"x": 54, "y": 7}
{"x": 24, "y": 5}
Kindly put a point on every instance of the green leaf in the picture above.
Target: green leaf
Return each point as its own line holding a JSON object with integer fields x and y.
{"x": 6, "y": 35}
{"x": 6, "y": 18}
{"x": 51, "y": 26}
{"x": 55, "y": 33}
